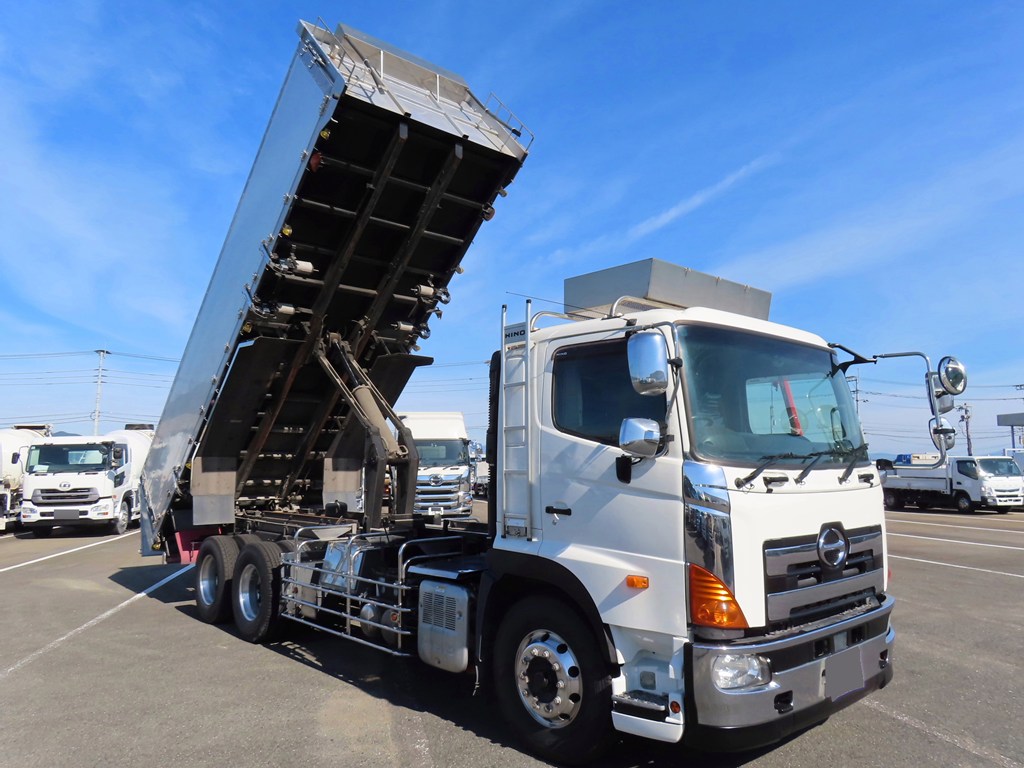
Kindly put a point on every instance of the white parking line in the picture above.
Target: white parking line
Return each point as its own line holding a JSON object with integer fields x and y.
{"x": 966, "y": 743}
{"x": 59, "y": 554}
{"x": 956, "y": 541}
{"x": 92, "y": 622}
{"x": 960, "y": 527}
{"x": 952, "y": 565}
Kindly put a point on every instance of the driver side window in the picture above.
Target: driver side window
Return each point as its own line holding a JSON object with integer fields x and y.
{"x": 967, "y": 469}
{"x": 593, "y": 393}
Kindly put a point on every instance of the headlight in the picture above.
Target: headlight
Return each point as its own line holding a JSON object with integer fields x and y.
{"x": 103, "y": 507}
{"x": 733, "y": 671}
{"x": 987, "y": 489}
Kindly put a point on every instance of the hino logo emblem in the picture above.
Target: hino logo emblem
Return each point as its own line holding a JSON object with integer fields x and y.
{"x": 64, "y": 486}
{"x": 832, "y": 547}
{"x": 436, "y": 479}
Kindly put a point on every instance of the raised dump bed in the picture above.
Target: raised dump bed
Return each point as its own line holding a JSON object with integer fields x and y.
{"x": 375, "y": 172}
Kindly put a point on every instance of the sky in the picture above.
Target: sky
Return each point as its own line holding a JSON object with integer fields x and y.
{"x": 863, "y": 162}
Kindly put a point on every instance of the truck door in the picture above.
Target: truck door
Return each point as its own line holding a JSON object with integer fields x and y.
{"x": 965, "y": 478}
{"x": 594, "y": 524}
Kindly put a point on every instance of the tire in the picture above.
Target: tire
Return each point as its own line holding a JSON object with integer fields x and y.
{"x": 256, "y": 592}
{"x": 119, "y": 525}
{"x": 215, "y": 565}
{"x": 892, "y": 500}
{"x": 574, "y": 727}
{"x": 964, "y": 504}
{"x": 42, "y": 533}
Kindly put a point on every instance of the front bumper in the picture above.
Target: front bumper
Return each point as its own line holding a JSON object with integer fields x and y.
{"x": 813, "y": 675}
{"x": 48, "y": 517}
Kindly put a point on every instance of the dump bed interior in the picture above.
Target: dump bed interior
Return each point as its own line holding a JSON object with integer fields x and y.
{"x": 397, "y": 167}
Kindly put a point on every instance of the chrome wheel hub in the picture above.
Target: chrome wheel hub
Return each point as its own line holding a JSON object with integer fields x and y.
{"x": 548, "y": 679}
{"x": 249, "y": 597}
{"x": 207, "y": 582}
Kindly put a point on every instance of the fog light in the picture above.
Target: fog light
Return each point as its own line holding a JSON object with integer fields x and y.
{"x": 733, "y": 671}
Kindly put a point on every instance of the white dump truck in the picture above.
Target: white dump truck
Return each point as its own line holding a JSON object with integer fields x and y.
{"x": 83, "y": 482}
{"x": 967, "y": 483}
{"x": 12, "y": 469}
{"x": 684, "y": 538}
{"x": 447, "y": 472}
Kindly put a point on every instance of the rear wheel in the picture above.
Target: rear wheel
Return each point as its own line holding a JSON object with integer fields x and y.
{"x": 215, "y": 565}
{"x": 256, "y": 592}
{"x": 552, "y": 684}
{"x": 964, "y": 503}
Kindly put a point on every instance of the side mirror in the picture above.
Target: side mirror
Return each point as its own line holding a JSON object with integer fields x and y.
{"x": 640, "y": 437}
{"x": 952, "y": 375}
{"x": 118, "y": 453}
{"x": 15, "y": 457}
{"x": 648, "y": 363}
{"x": 944, "y": 403}
{"x": 943, "y": 434}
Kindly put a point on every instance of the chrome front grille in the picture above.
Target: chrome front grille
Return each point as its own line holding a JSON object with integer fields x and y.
{"x": 55, "y": 497}
{"x": 444, "y": 496}
{"x": 801, "y": 588}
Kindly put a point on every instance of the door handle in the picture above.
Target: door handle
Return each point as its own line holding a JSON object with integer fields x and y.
{"x": 557, "y": 511}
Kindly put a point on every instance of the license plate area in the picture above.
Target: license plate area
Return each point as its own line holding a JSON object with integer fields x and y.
{"x": 843, "y": 673}
{"x": 65, "y": 514}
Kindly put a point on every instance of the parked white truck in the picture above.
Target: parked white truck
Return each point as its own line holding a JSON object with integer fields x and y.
{"x": 82, "y": 481}
{"x": 447, "y": 472}
{"x": 967, "y": 483}
{"x": 684, "y": 539}
{"x": 12, "y": 468}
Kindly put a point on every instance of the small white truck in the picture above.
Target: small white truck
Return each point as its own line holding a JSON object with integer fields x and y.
{"x": 964, "y": 482}
{"x": 12, "y": 469}
{"x": 447, "y": 472}
{"x": 84, "y": 481}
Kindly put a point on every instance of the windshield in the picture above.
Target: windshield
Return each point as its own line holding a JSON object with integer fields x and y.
{"x": 82, "y": 457}
{"x": 442, "y": 453}
{"x": 999, "y": 467}
{"x": 751, "y": 398}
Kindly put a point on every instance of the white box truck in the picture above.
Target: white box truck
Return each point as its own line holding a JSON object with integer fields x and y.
{"x": 12, "y": 469}
{"x": 447, "y": 472}
{"x": 81, "y": 482}
{"x": 684, "y": 538}
{"x": 967, "y": 483}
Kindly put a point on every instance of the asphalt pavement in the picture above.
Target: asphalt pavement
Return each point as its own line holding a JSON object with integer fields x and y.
{"x": 103, "y": 662}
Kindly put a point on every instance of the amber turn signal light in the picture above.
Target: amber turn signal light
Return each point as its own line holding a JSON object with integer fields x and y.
{"x": 711, "y": 602}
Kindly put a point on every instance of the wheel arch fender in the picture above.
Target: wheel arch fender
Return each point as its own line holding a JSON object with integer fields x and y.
{"x": 511, "y": 576}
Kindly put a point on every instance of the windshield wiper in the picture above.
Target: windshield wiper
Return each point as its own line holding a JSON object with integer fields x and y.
{"x": 855, "y": 455}
{"x": 767, "y": 461}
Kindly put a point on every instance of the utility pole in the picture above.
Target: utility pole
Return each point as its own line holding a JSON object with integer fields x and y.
{"x": 856, "y": 392}
{"x": 965, "y": 418}
{"x": 99, "y": 390}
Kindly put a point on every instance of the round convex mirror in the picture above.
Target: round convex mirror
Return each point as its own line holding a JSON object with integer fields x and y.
{"x": 953, "y": 375}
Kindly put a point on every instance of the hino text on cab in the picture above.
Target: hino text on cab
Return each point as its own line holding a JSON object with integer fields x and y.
{"x": 684, "y": 537}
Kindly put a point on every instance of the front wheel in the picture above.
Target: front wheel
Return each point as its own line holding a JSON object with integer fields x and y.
{"x": 892, "y": 500}
{"x": 552, "y": 684}
{"x": 119, "y": 525}
{"x": 42, "y": 533}
{"x": 964, "y": 504}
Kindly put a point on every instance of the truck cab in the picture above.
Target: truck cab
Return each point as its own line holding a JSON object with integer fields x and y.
{"x": 446, "y": 473}
{"x": 84, "y": 482}
{"x": 717, "y": 507}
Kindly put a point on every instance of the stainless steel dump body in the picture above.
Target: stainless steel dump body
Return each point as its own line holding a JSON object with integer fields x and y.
{"x": 375, "y": 172}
